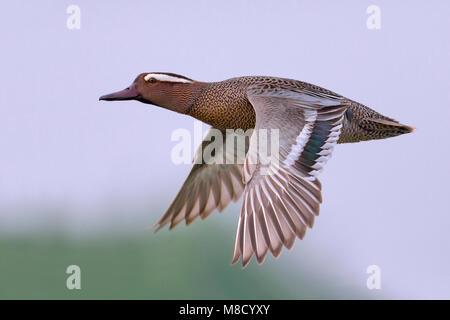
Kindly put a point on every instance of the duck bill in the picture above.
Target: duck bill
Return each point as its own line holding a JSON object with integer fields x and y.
{"x": 129, "y": 93}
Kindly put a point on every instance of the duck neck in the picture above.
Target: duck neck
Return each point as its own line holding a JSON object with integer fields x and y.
{"x": 182, "y": 97}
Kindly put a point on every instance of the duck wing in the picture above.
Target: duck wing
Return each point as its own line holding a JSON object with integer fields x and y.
{"x": 214, "y": 181}
{"x": 282, "y": 196}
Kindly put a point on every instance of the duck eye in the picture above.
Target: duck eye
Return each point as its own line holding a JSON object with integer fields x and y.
{"x": 152, "y": 80}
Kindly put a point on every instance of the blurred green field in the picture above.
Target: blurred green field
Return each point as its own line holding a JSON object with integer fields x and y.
{"x": 169, "y": 265}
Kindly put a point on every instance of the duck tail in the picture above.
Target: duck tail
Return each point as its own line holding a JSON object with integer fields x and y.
{"x": 362, "y": 123}
{"x": 383, "y": 128}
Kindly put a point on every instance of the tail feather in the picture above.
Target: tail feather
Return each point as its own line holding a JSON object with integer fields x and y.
{"x": 362, "y": 123}
{"x": 383, "y": 128}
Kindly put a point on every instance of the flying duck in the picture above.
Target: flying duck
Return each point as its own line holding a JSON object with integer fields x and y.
{"x": 280, "y": 198}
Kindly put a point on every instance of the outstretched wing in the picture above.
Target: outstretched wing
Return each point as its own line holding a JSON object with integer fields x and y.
{"x": 210, "y": 184}
{"x": 282, "y": 198}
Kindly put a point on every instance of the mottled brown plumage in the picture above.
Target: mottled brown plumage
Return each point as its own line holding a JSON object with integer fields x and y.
{"x": 281, "y": 198}
{"x": 224, "y": 105}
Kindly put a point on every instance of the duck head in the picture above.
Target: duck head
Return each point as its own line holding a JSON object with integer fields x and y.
{"x": 167, "y": 90}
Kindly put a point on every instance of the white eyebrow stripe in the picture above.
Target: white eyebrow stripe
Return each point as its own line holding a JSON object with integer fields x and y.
{"x": 165, "y": 77}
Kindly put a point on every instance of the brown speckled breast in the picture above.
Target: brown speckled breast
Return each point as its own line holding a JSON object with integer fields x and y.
{"x": 224, "y": 105}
